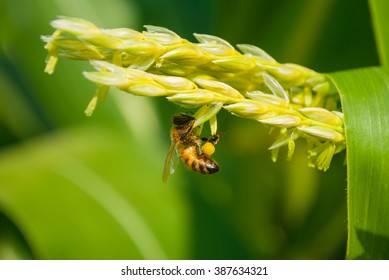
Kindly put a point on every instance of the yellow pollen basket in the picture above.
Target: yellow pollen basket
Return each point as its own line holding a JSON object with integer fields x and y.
{"x": 208, "y": 149}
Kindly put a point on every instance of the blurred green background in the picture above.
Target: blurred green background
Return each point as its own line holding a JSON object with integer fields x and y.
{"x": 73, "y": 187}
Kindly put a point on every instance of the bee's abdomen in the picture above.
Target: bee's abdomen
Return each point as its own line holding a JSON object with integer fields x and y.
{"x": 202, "y": 163}
{"x": 208, "y": 166}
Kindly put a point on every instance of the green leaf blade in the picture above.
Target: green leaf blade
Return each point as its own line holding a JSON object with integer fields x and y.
{"x": 365, "y": 100}
{"x": 90, "y": 193}
{"x": 379, "y": 11}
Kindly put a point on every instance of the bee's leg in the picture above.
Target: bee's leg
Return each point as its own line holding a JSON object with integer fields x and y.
{"x": 213, "y": 139}
{"x": 199, "y": 152}
{"x": 184, "y": 134}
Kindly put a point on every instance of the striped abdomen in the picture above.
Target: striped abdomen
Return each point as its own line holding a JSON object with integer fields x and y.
{"x": 200, "y": 163}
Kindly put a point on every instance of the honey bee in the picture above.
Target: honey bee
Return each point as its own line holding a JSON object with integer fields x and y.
{"x": 187, "y": 145}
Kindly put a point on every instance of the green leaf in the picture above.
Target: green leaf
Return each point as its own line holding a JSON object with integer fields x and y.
{"x": 365, "y": 100}
{"x": 379, "y": 10}
{"x": 91, "y": 193}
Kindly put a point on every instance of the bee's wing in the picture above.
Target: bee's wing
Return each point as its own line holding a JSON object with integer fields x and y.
{"x": 171, "y": 161}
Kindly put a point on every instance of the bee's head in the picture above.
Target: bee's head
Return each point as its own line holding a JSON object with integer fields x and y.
{"x": 181, "y": 120}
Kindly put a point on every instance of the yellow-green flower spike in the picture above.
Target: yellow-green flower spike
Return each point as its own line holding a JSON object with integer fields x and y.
{"x": 210, "y": 74}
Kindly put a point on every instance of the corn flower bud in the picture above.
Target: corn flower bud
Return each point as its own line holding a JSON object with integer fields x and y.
{"x": 193, "y": 98}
